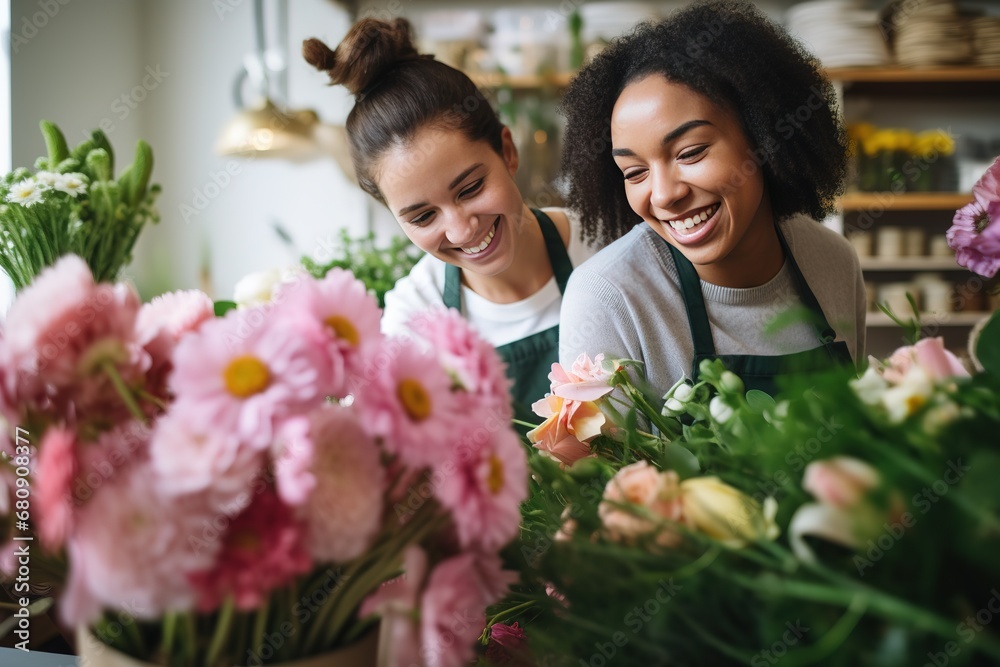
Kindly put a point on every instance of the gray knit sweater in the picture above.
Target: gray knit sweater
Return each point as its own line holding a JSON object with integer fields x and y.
{"x": 626, "y": 302}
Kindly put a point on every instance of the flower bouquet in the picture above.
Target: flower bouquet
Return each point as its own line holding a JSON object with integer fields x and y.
{"x": 257, "y": 487}
{"x": 73, "y": 204}
{"x": 852, "y": 521}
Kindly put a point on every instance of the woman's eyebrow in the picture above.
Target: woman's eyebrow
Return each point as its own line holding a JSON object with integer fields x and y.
{"x": 673, "y": 135}
{"x": 451, "y": 186}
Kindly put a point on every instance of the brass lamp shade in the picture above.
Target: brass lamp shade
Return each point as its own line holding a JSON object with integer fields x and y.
{"x": 267, "y": 131}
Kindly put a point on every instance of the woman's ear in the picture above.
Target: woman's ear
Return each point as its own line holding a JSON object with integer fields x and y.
{"x": 509, "y": 150}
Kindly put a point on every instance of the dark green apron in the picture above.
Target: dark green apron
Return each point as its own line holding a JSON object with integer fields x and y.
{"x": 530, "y": 359}
{"x": 759, "y": 371}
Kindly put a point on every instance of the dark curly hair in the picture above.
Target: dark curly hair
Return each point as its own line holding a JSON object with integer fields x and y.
{"x": 731, "y": 53}
{"x": 398, "y": 91}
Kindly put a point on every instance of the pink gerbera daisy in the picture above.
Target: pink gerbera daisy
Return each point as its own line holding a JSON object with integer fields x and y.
{"x": 246, "y": 372}
{"x": 347, "y": 316}
{"x": 483, "y": 487}
{"x": 409, "y": 403}
{"x": 473, "y": 362}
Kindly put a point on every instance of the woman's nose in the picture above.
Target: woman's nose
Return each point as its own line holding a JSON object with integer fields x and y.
{"x": 667, "y": 188}
{"x": 461, "y": 229}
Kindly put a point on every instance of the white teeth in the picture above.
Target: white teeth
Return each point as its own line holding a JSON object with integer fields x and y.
{"x": 482, "y": 246}
{"x": 698, "y": 218}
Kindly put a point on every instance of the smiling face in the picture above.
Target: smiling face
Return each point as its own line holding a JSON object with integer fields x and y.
{"x": 689, "y": 173}
{"x": 455, "y": 198}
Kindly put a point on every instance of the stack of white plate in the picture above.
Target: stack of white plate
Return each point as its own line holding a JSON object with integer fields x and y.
{"x": 603, "y": 21}
{"x": 986, "y": 41}
{"x": 931, "y": 33}
{"x": 839, "y": 33}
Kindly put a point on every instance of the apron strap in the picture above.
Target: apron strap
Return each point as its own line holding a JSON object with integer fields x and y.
{"x": 694, "y": 301}
{"x": 823, "y": 329}
{"x": 694, "y": 304}
{"x": 562, "y": 267}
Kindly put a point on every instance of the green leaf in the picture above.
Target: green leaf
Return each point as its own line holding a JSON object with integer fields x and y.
{"x": 681, "y": 460}
{"x": 223, "y": 307}
{"x": 55, "y": 142}
{"x": 99, "y": 162}
{"x": 988, "y": 345}
{"x": 760, "y": 401}
{"x": 141, "y": 170}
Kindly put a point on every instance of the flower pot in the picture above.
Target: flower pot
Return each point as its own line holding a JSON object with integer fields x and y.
{"x": 362, "y": 653}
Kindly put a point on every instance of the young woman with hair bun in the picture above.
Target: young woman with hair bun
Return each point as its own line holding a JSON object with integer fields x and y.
{"x": 426, "y": 143}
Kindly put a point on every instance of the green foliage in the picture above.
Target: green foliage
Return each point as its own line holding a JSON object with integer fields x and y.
{"x": 377, "y": 267}
{"x": 924, "y": 563}
{"x": 100, "y": 222}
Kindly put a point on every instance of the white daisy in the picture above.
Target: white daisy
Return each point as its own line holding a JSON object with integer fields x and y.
{"x": 72, "y": 184}
{"x": 47, "y": 178}
{"x": 26, "y": 193}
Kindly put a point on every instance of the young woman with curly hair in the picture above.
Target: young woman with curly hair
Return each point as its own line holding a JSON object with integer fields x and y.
{"x": 426, "y": 143}
{"x": 708, "y": 144}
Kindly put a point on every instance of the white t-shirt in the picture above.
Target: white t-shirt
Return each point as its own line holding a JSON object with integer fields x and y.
{"x": 498, "y": 323}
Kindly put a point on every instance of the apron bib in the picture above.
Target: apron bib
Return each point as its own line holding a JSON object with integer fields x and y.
{"x": 530, "y": 359}
{"x": 759, "y": 371}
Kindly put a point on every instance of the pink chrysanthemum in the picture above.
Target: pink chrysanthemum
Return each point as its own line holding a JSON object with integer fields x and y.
{"x": 344, "y": 511}
{"x": 483, "y": 487}
{"x": 129, "y": 551}
{"x": 245, "y": 373}
{"x": 462, "y": 351}
{"x": 408, "y": 403}
{"x": 458, "y": 588}
{"x": 263, "y": 549}
{"x": 65, "y": 334}
{"x": 57, "y": 467}
{"x": 174, "y": 314}
{"x": 188, "y": 459}
{"x": 159, "y": 327}
{"x": 347, "y": 316}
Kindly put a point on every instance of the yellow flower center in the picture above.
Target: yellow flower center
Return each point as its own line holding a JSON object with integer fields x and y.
{"x": 913, "y": 403}
{"x": 494, "y": 480}
{"x": 246, "y": 376}
{"x": 415, "y": 399}
{"x": 343, "y": 329}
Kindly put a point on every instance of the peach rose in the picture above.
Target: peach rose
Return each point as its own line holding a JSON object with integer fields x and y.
{"x": 643, "y": 485}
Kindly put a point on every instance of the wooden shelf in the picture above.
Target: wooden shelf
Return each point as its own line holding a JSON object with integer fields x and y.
{"x": 910, "y": 264}
{"x": 913, "y": 75}
{"x": 521, "y": 82}
{"x": 880, "y": 319}
{"x": 843, "y": 74}
{"x": 906, "y": 201}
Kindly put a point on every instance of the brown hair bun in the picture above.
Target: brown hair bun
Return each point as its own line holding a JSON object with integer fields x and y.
{"x": 370, "y": 49}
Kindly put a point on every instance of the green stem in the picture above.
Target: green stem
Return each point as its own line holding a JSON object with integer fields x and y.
{"x": 508, "y": 612}
{"x": 169, "y": 630}
{"x": 123, "y": 391}
{"x": 259, "y": 628}
{"x": 221, "y": 633}
{"x": 518, "y": 422}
